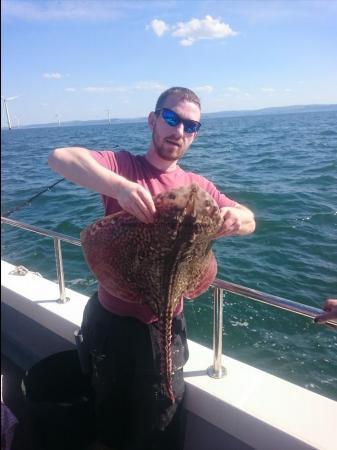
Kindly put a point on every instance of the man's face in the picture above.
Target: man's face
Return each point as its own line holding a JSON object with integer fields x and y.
{"x": 170, "y": 143}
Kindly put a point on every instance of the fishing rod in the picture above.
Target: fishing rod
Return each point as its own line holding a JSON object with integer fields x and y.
{"x": 29, "y": 201}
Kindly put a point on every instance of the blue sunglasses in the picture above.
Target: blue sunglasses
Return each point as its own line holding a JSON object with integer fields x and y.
{"x": 173, "y": 119}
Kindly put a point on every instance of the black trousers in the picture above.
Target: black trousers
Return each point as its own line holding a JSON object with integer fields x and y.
{"x": 132, "y": 410}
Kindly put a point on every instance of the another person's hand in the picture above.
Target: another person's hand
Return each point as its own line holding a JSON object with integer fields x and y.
{"x": 330, "y": 306}
{"x": 136, "y": 200}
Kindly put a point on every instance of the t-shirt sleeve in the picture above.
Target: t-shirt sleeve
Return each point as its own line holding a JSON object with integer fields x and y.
{"x": 106, "y": 158}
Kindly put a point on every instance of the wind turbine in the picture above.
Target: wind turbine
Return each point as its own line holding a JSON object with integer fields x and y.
{"x": 58, "y": 119}
{"x": 17, "y": 121}
{"x": 5, "y": 100}
{"x": 109, "y": 116}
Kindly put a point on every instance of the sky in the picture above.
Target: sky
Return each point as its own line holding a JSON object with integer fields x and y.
{"x": 91, "y": 59}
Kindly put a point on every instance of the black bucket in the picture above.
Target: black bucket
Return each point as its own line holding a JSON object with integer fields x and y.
{"x": 60, "y": 403}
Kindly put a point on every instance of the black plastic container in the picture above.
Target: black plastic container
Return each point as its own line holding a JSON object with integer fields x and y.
{"x": 60, "y": 403}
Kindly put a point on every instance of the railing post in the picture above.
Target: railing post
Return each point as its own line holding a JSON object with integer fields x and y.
{"x": 217, "y": 370}
{"x": 59, "y": 269}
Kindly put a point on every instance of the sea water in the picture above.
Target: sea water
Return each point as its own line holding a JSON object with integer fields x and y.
{"x": 283, "y": 167}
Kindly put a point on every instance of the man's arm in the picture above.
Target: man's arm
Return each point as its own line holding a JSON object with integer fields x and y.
{"x": 77, "y": 165}
{"x": 237, "y": 220}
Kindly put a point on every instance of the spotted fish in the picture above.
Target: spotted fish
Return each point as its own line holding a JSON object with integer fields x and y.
{"x": 156, "y": 264}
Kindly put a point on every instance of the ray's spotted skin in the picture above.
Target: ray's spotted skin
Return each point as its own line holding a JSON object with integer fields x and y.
{"x": 156, "y": 263}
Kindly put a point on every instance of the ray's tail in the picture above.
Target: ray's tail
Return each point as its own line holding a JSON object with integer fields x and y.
{"x": 166, "y": 364}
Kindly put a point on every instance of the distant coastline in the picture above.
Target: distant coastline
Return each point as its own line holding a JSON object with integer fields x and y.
{"x": 220, "y": 114}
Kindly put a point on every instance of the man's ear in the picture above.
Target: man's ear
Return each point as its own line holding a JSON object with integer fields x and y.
{"x": 151, "y": 120}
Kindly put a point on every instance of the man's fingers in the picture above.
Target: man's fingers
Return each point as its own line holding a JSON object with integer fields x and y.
{"x": 138, "y": 202}
{"x": 148, "y": 203}
{"x": 326, "y": 316}
{"x": 141, "y": 212}
{"x": 330, "y": 303}
{"x": 231, "y": 224}
{"x": 330, "y": 306}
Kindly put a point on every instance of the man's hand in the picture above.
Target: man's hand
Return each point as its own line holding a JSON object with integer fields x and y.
{"x": 236, "y": 220}
{"x": 231, "y": 222}
{"x": 330, "y": 306}
{"x": 136, "y": 200}
{"x": 77, "y": 165}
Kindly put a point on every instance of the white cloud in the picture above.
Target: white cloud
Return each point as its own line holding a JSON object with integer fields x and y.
{"x": 235, "y": 93}
{"x": 149, "y": 86}
{"x": 70, "y": 89}
{"x": 268, "y": 90}
{"x": 53, "y": 75}
{"x": 153, "y": 86}
{"x": 159, "y": 27}
{"x": 198, "y": 29}
{"x": 98, "y": 89}
{"x": 204, "y": 89}
{"x": 53, "y": 10}
{"x": 193, "y": 30}
{"x": 233, "y": 89}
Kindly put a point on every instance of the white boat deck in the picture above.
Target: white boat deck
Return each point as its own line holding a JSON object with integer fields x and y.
{"x": 260, "y": 410}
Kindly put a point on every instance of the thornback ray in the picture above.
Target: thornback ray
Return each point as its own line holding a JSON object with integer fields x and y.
{"x": 159, "y": 263}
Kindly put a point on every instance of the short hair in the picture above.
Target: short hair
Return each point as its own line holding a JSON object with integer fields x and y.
{"x": 182, "y": 93}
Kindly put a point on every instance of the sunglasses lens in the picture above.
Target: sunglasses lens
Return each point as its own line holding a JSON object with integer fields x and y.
{"x": 170, "y": 117}
{"x": 191, "y": 127}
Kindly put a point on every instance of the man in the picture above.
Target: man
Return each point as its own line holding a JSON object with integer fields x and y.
{"x": 132, "y": 411}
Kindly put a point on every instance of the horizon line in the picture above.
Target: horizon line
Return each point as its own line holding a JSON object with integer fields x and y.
{"x": 310, "y": 105}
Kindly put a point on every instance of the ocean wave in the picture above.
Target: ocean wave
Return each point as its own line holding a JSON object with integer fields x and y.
{"x": 283, "y": 168}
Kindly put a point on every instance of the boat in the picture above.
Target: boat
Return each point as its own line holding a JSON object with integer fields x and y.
{"x": 229, "y": 404}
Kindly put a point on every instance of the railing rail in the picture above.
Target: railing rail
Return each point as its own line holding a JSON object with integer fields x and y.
{"x": 273, "y": 300}
{"x": 219, "y": 286}
{"x": 57, "y": 237}
{"x": 42, "y": 231}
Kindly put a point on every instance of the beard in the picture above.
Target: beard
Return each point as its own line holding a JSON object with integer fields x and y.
{"x": 165, "y": 150}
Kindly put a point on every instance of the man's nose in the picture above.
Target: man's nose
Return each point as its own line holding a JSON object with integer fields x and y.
{"x": 180, "y": 129}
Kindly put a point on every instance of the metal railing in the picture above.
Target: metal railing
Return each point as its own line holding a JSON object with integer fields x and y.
{"x": 57, "y": 237}
{"x": 217, "y": 371}
{"x": 219, "y": 286}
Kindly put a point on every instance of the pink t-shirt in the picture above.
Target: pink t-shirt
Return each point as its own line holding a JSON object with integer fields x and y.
{"x": 139, "y": 170}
